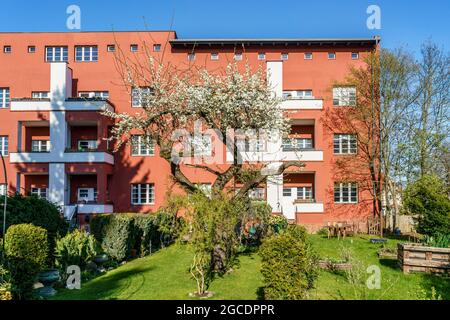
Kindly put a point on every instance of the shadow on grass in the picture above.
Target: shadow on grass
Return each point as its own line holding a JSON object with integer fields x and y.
{"x": 390, "y": 263}
{"x": 441, "y": 284}
{"x": 107, "y": 286}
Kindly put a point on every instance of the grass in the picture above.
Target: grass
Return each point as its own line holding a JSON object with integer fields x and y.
{"x": 165, "y": 275}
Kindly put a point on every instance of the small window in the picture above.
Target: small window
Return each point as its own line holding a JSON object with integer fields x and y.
{"x": 86, "y": 53}
{"x": 346, "y": 192}
{"x": 214, "y": 56}
{"x": 191, "y": 56}
{"x": 111, "y": 48}
{"x": 31, "y": 49}
{"x": 7, "y": 49}
{"x": 331, "y": 55}
{"x": 141, "y": 146}
{"x": 143, "y": 193}
{"x": 238, "y": 56}
{"x": 261, "y": 56}
{"x": 87, "y": 145}
{"x": 284, "y": 56}
{"x": 4, "y": 98}
{"x": 287, "y": 192}
{"x": 2, "y": 189}
{"x": 40, "y": 94}
{"x": 134, "y": 48}
{"x": 157, "y": 47}
{"x": 40, "y": 146}
{"x": 355, "y": 55}
{"x": 345, "y": 143}
{"x": 94, "y": 94}
{"x": 304, "y": 94}
{"x": 4, "y": 145}
{"x": 308, "y": 56}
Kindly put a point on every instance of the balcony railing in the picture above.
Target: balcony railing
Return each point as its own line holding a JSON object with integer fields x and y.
{"x": 70, "y": 104}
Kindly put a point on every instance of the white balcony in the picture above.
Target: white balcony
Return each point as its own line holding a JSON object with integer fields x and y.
{"x": 70, "y": 210}
{"x": 302, "y": 104}
{"x": 71, "y": 104}
{"x": 67, "y": 157}
{"x": 310, "y": 207}
{"x": 303, "y": 155}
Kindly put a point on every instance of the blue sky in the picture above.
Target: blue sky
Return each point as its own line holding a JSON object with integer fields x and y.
{"x": 403, "y": 23}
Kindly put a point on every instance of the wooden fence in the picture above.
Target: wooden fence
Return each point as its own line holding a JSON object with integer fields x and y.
{"x": 417, "y": 258}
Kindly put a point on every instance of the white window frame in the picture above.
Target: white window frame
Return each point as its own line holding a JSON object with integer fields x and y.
{"x": 145, "y": 195}
{"x": 344, "y": 96}
{"x": 31, "y": 49}
{"x": 284, "y": 56}
{"x": 157, "y": 47}
{"x": 137, "y": 94}
{"x": 2, "y": 189}
{"x": 91, "y": 194}
{"x": 342, "y": 197}
{"x": 111, "y": 48}
{"x": 134, "y": 47}
{"x": 331, "y": 55}
{"x": 39, "y": 192}
{"x": 94, "y": 94}
{"x": 287, "y": 192}
{"x": 308, "y": 56}
{"x": 140, "y": 148}
{"x": 261, "y": 56}
{"x": 304, "y": 193}
{"x": 237, "y": 56}
{"x": 40, "y": 94}
{"x": 4, "y": 145}
{"x": 63, "y": 53}
{"x": 91, "y": 145}
{"x": 40, "y": 145}
{"x": 214, "y": 56}
{"x": 5, "y": 98}
{"x": 7, "y": 49}
{"x": 92, "y": 55}
{"x": 258, "y": 193}
{"x": 345, "y": 143}
{"x": 355, "y": 55}
{"x": 191, "y": 56}
{"x": 297, "y": 144}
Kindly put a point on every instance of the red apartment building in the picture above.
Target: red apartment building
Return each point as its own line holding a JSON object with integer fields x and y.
{"x": 53, "y": 87}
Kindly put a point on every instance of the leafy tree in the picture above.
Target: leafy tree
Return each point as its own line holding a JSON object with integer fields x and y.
{"x": 289, "y": 265}
{"x": 428, "y": 198}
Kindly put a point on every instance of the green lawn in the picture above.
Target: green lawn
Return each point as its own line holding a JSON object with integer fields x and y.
{"x": 164, "y": 275}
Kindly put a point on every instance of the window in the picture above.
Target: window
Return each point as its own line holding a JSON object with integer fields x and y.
{"x": 287, "y": 95}
{"x": 134, "y": 48}
{"x": 191, "y": 56}
{"x": 344, "y": 96}
{"x": 304, "y": 94}
{"x": 87, "y": 195}
{"x": 262, "y": 56}
{"x": 214, "y": 56}
{"x": 39, "y": 192}
{"x": 297, "y": 144}
{"x": 238, "y": 56}
{"x": 355, "y": 55}
{"x": 94, "y": 94}
{"x": 141, "y": 147}
{"x": 40, "y": 146}
{"x": 40, "y": 94}
{"x": 56, "y": 54}
{"x": 344, "y": 143}
{"x": 143, "y": 193}
{"x": 252, "y": 144}
{"x": 287, "y": 192}
{"x": 4, "y": 145}
{"x": 304, "y": 193}
{"x": 86, "y": 53}
{"x": 31, "y": 49}
{"x": 346, "y": 192}
{"x": 2, "y": 189}
{"x": 308, "y": 56}
{"x": 140, "y": 96}
{"x": 7, "y": 49}
{"x": 111, "y": 48}
{"x": 201, "y": 145}
{"x": 331, "y": 55}
{"x": 4, "y": 98}
{"x": 157, "y": 47}
{"x": 86, "y": 145}
{"x": 257, "y": 193}
{"x": 284, "y": 56}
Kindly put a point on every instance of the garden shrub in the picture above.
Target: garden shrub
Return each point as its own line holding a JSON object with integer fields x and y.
{"x": 147, "y": 236}
{"x": 76, "y": 248}
{"x": 40, "y": 213}
{"x": 428, "y": 198}
{"x": 255, "y": 222}
{"x": 278, "y": 223}
{"x": 26, "y": 249}
{"x": 289, "y": 265}
{"x": 117, "y": 236}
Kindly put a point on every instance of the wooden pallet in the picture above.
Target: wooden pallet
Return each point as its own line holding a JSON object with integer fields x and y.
{"x": 417, "y": 258}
